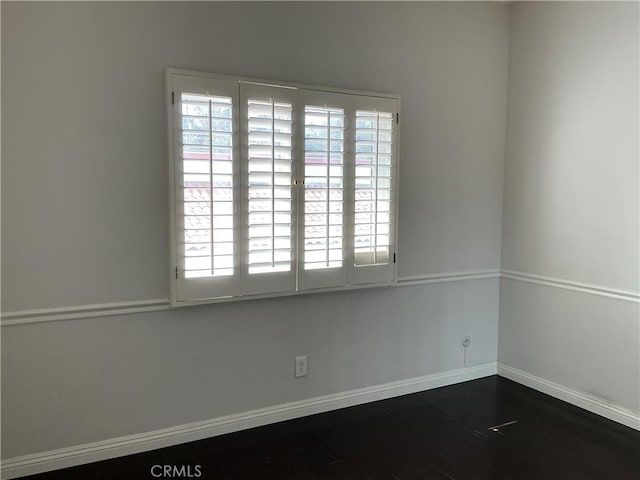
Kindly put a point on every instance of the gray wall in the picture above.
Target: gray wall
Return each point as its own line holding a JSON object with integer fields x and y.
{"x": 571, "y": 197}
{"x": 84, "y": 209}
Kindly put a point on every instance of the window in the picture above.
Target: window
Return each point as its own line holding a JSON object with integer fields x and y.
{"x": 278, "y": 189}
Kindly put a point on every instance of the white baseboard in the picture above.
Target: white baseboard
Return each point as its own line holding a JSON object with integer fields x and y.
{"x": 588, "y": 402}
{"x": 117, "y": 447}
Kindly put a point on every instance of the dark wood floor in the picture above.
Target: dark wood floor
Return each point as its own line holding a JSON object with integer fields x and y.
{"x": 439, "y": 434}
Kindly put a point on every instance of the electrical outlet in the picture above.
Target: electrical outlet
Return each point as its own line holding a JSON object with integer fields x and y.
{"x": 301, "y": 366}
{"x": 466, "y": 341}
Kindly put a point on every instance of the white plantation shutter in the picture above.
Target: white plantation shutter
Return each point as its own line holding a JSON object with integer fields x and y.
{"x": 268, "y": 167}
{"x": 278, "y": 189}
{"x": 372, "y": 188}
{"x": 205, "y": 181}
{"x": 373, "y": 191}
{"x": 322, "y": 233}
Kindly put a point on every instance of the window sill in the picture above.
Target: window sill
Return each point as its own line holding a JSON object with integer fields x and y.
{"x": 215, "y": 300}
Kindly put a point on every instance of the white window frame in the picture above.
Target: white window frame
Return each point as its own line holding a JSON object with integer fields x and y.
{"x": 194, "y": 291}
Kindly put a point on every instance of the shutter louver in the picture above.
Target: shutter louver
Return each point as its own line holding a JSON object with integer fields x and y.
{"x": 372, "y": 215}
{"x": 323, "y": 187}
{"x": 207, "y": 166}
{"x": 270, "y": 207}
